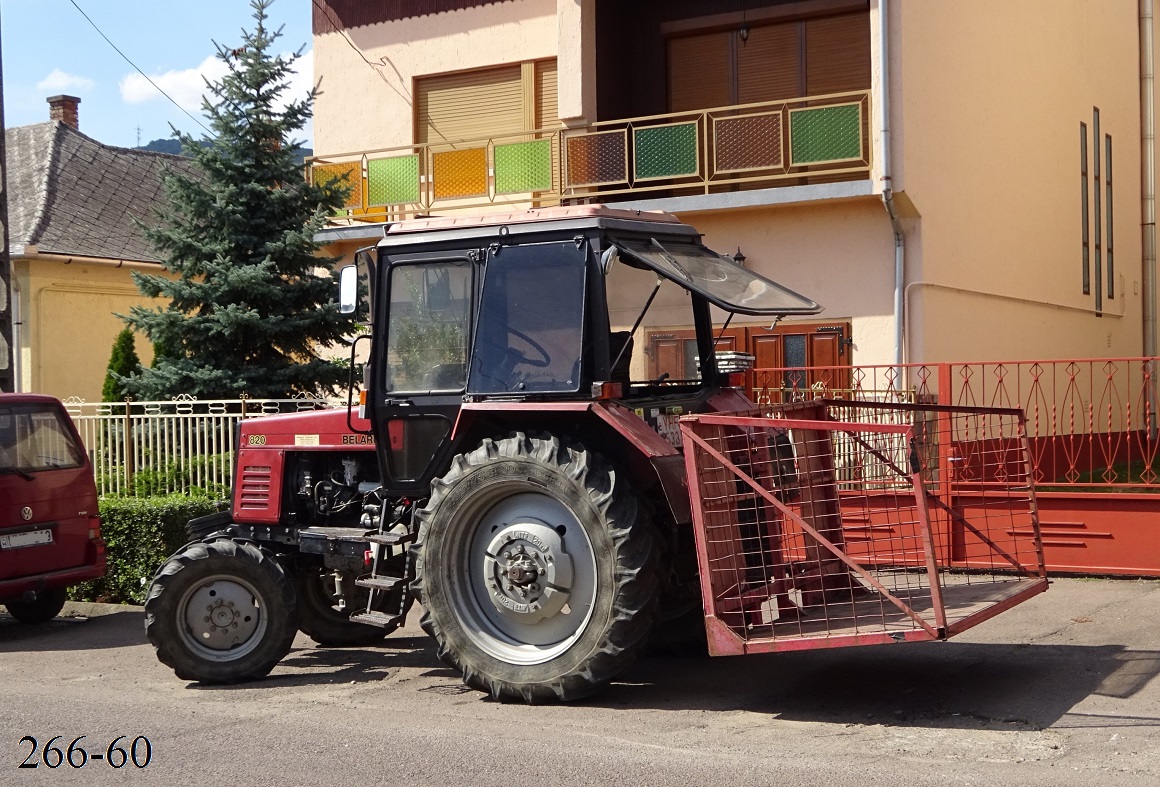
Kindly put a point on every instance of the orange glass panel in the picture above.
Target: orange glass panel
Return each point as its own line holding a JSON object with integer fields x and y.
{"x": 460, "y": 173}
{"x": 348, "y": 174}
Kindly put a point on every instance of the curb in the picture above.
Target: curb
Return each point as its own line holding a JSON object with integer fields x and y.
{"x": 91, "y": 609}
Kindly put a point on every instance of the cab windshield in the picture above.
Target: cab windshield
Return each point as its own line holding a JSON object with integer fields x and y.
{"x": 34, "y": 438}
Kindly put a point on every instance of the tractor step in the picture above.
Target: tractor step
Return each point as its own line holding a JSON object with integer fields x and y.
{"x": 380, "y": 619}
{"x": 379, "y": 583}
{"x": 390, "y": 539}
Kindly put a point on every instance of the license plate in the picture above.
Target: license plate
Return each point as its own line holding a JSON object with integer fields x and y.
{"x": 31, "y": 538}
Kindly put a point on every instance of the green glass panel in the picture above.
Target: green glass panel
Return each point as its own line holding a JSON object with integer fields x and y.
{"x": 393, "y": 181}
{"x": 665, "y": 151}
{"x": 826, "y": 134}
{"x": 523, "y": 166}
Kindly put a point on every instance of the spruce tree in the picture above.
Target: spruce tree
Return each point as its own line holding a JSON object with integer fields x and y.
{"x": 248, "y": 311}
{"x": 123, "y": 362}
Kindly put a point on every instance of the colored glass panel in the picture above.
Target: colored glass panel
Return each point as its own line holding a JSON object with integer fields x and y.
{"x": 523, "y": 166}
{"x": 393, "y": 181}
{"x": 597, "y": 159}
{"x": 460, "y": 173}
{"x": 665, "y": 151}
{"x": 826, "y": 134}
{"x": 349, "y": 174}
{"x": 747, "y": 143}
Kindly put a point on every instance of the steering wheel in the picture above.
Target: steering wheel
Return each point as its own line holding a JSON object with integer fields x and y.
{"x": 540, "y": 362}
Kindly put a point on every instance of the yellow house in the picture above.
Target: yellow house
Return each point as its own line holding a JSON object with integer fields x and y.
{"x": 74, "y": 241}
{"x": 952, "y": 180}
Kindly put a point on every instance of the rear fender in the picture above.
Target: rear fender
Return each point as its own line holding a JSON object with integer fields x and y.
{"x": 654, "y": 465}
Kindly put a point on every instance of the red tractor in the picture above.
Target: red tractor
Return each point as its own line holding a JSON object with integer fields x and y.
{"x": 550, "y": 483}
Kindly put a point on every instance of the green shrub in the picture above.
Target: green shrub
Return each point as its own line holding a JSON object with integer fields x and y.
{"x": 140, "y": 533}
{"x": 177, "y": 476}
{"x": 123, "y": 362}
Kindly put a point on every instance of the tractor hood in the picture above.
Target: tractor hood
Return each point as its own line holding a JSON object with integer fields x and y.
{"x": 719, "y": 279}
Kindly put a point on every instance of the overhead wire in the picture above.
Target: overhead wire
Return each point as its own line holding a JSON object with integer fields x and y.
{"x": 373, "y": 66}
{"x": 135, "y": 68}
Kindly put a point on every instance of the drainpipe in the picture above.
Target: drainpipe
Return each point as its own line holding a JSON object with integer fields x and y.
{"x": 17, "y": 329}
{"x": 1148, "y": 175}
{"x": 888, "y": 190}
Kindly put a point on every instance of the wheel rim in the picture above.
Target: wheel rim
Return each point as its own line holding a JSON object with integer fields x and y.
{"x": 530, "y": 582}
{"x": 224, "y": 618}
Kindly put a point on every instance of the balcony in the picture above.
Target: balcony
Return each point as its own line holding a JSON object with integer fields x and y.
{"x": 804, "y": 140}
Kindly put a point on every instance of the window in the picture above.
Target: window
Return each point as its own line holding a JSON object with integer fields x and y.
{"x": 529, "y": 335}
{"x": 428, "y": 327}
{"x": 492, "y": 102}
{"x": 773, "y": 62}
{"x": 34, "y": 438}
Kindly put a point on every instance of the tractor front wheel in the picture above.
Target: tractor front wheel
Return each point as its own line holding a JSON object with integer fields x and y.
{"x": 536, "y": 568}
{"x": 221, "y": 611}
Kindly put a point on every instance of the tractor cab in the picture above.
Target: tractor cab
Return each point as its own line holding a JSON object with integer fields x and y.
{"x": 529, "y": 311}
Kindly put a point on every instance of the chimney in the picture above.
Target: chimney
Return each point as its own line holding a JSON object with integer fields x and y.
{"x": 64, "y": 109}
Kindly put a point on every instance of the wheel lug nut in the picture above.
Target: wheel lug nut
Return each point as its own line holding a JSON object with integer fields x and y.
{"x": 207, "y": 618}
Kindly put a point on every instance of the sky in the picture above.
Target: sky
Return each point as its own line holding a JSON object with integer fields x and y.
{"x": 49, "y": 48}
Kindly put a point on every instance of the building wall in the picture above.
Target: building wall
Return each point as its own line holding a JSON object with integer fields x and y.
{"x": 368, "y": 106}
{"x": 68, "y": 311}
{"x": 990, "y": 98}
{"x": 838, "y": 254}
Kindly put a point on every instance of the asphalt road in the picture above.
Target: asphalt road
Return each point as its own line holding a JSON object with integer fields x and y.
{"x": 1059, "y": 691}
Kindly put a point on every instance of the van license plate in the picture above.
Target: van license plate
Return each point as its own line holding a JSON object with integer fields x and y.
{"x": 30, "y": 539}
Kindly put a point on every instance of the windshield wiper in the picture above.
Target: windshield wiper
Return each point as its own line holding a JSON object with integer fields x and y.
{"x": 19, "y": 472}
{"x": 671, "y": 260}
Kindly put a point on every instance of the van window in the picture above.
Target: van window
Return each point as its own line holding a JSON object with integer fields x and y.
{"x": 35, "y": 437}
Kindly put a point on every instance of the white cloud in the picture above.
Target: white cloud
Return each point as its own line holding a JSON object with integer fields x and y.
{"x": 60, "y": 80}
{"x": 186, "y": 86}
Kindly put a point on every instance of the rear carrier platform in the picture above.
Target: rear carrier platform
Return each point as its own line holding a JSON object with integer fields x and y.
{"x": 838, "y": 523}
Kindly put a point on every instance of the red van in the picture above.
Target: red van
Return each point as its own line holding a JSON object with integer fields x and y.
{"x": 50, "y": 530}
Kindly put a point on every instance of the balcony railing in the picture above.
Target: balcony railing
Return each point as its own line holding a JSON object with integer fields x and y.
{"x": 804, "y": 140}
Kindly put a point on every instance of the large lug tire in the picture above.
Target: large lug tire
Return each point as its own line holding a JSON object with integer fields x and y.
{"x": 536, "y": 568}
{"x": 320, "y": 618}
{"x": 46, "y": 606}
{"x": 221, "y": 611}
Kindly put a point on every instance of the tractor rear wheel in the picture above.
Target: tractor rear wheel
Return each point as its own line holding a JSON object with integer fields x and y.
{"x": 221, "y": 611}
{"x": 536, "y": 568}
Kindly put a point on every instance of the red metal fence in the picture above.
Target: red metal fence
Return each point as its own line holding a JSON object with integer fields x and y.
{"x": 1092, "y": 435}
{"x": 1092, "y": 423}
{"x": 844, "y": 523}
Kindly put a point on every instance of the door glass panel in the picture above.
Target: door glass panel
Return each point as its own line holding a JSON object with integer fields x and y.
{"x": 413, "y": 442}
{"x": 428, "y": 327}
{"x": 795, "y": 359}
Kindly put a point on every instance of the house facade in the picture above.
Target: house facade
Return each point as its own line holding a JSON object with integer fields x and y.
{"x": 953, "y": 181}
{"x": 73, "y": 207}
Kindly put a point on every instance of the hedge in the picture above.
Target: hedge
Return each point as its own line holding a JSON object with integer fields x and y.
{"x": 141, "y": 532}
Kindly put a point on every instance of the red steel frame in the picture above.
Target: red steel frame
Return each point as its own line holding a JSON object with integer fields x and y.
{"x": 844, "y": 523}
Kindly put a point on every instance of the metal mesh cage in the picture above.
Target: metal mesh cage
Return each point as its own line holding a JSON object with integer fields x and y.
{"x": 848, "y": 523}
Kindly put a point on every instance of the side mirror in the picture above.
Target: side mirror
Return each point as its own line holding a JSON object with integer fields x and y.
{"x": 608, "y": 258}
{"x": 348, "y": 290}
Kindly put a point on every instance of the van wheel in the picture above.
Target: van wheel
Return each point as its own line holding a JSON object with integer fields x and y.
{"x": 44, "y": 608}
{"x": 537, "y": 570}
{"x": 221, "y": 611}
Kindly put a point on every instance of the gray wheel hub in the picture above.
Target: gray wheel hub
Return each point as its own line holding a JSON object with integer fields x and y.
{"x": 223, "y": 618}
{"x": 529, "y": 573}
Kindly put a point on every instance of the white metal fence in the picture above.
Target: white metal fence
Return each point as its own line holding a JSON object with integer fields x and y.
{"x": 178, "y": 445}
